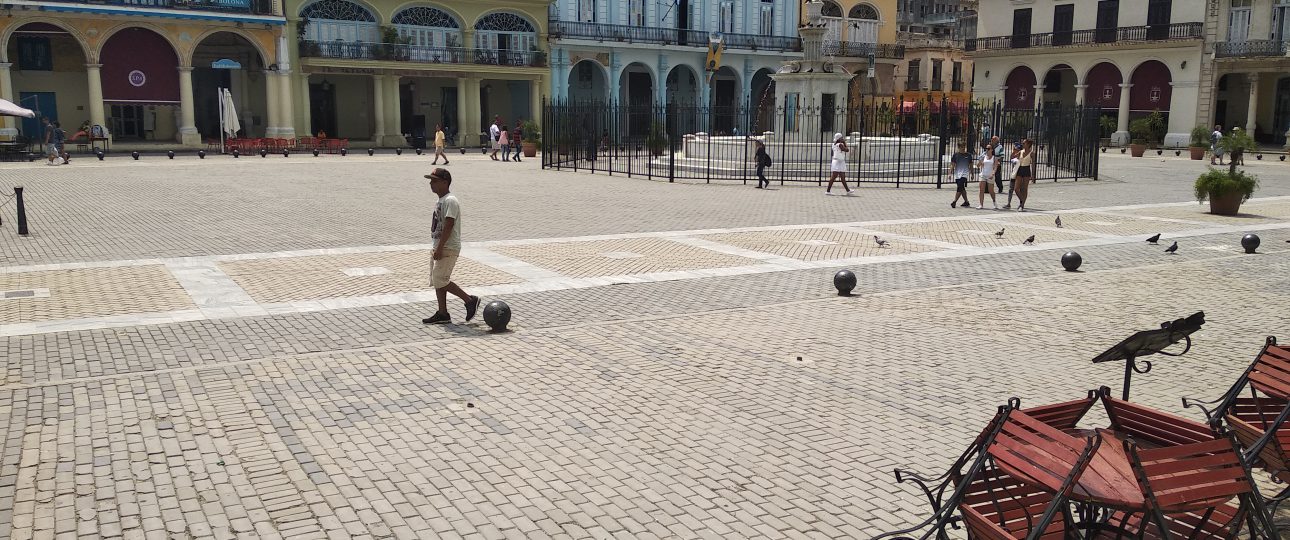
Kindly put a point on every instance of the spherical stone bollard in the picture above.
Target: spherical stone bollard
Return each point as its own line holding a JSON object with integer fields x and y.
{"x": 483, "y": 150}
{"x": 1103, "y": 149}
{"x": 418, "y": 151}
{"x": 315, "y": 152}
{"x": 1258, "y": 157}
{"x": 1177, "y": 153}
{"x": 201, "y": 154}
{"x": 1283, "y": 157}
{"x": 286, "y": 153}
{"x": 463, "y": 150}
{"x": 1071, "y": 261}
{"x": 497, "y": 315}
{"x": 398, "y": 151}
{"x": 845, "y": 281}
{"x": 370, "y": 151}
{"x": 1160, "y": 152}
{"x": 135, "y": 155}
{"x": 1250, "y": 242}
{"x": 1122, "y": 150}
{"x": 99, "y": 154}
{"x": 236, "y": 153}
{"x": 264, "y": 153}
{"x": 170, "y": 154}
{"x": 344, "y": 151}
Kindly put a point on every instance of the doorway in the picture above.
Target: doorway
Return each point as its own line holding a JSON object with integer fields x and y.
{"x": 128, "y": 121}
{"x": 44, "y": 104}
{"x": 1281, "y": 114}
{"x": 448, "y": 111}
{"x": 682, "y": 20}
{"x": 322, "y": 109}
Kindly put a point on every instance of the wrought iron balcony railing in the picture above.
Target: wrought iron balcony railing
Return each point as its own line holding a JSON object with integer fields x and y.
{"x": 862, "y": 50}
{"x": 913, "y": 85}
{"x": 668, "y": 36}
{"x": 251, "y": 7}
{"x": 937, "y": 85}
{"x": 356, "y": 50}
{"x": 956, "y": 86}
{"x": 1125, "y": 34}
{"x": 1262, "y": 47}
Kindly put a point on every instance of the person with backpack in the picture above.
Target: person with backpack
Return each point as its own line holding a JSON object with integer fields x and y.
{"x": 763, "y": 161}
{"x": 960, "y": 168}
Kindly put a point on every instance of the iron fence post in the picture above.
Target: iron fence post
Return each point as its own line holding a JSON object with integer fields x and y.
{"x": 22, "y": 211}
{"x": 940, "y": 155}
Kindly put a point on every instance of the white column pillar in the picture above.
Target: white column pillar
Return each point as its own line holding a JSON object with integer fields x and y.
{"x": 462, "y": 102}
{"x": 1039, "y": 96}
{"x": 8, "y": 127}
{"x": 1080, "y": 90}
{"x": 304, "y": 127}
{"x": 1121, "y": 135}
{"x": 287, "y": 123}
{"x": 535, "y": 100}
{"x": 378, "y": 107}
{"x": 271, "y": 115}
{"x": 1251, "y": 114}
{"x": 472, "y": 116}
{"x": 393, "y": 114}
{"x": 188, "y": 135}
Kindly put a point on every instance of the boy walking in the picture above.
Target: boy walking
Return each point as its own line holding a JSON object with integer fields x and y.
{"x": 439, "y": 142}
{"x": 445, "y": 232}
{"x": 960, "y": 168}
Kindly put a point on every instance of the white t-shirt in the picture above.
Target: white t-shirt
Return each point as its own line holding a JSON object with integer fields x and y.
{"x": 448, "y": 207}
{"x": 988, "y": 163}
{"x": 839, "y": 159}
{"x": 494, "y": 132}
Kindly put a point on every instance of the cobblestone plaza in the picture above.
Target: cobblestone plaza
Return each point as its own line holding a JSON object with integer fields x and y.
{"x": 232, "y": 348}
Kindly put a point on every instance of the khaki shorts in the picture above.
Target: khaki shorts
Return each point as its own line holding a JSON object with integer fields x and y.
{"x": 441, "y": 270}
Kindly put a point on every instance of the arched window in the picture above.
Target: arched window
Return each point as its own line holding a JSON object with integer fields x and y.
{"x": 863, "y": 23}
{"x": 863, "y": 11}
{"x": 339, "y": 20}
{"x": 832, "y": 15}
{"x": 504, "y": 32}
{"x": 428, "y": 27}
{"x": 831, "y": 9}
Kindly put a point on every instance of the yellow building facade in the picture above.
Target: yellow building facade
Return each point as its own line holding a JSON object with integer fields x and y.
{"x": 391, "y": 71}
{"x": 862, "y": 36}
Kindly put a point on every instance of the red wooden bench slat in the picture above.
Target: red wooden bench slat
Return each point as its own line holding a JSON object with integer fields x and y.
{"x": 1201, "y": 480}
{"x": 1161, "y": 468}
{"x": 1063, "y": 416}
{"x": 1178, "y": 452}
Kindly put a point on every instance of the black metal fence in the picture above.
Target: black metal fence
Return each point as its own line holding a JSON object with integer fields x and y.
{"x": 892, "y": 142}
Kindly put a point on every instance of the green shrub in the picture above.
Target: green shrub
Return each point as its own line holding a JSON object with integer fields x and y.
{"x": 1218, "y": 183}
{"x": 529, "y": 130}
{"x": 1199, "y": 137}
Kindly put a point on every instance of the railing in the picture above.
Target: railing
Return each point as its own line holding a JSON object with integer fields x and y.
{"x": 668, "y": 36}
{"x": 1172, "y": 32}
{"x": 1262, "y": 47}
{"x": 956, "y": 86}
{"x": 354, "y": 50}
{"x": 913, "y": 85}
{"x": 862, "y": 50}
{"x": 253, "y": 7}
{"x": 937, "y": 85}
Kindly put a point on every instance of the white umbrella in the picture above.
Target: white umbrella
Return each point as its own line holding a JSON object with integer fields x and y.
{"x": 7, "y": 108}
{"x": 231, "y": 124}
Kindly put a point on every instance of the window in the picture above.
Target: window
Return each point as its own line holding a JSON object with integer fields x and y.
{"x": 1238, "y": 21}
{"x": 1108, "y": 18}
{"x": 1063, "y": 23}
{"x": 915, "y": 67}
{"x": 726, "y": 24}
{"x": 34, "y": 54}
{"x": 1021, "y": 28}
{"x": 766, "y": 24}
{"x": 587, "y": 10}
{"x": 1158, "y": 13}
{"x": 956, "y": 77}
{"x": 637, "y": 17}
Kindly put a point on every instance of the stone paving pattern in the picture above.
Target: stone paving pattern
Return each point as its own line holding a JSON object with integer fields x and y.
{"x": 91, "y": 292}
{"x": 815, "y": 244}
{"x": 743, "y": 406}
{"x": 619, "y": 257}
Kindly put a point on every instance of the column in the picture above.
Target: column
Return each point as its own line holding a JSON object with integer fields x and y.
{"x": 393, "y": 116}
{"x": 271, "y": 127}
{"x": 287, "y": 124}
{"x": 96, "y": 94}
{"x": 1251, "y": 114}
{"x": 304, "y": 120}
{"x": 462, "y": 89}
{"x": 378, "y": 107}
{"x": 535, "y": 101}
{"x": 1121, "y": 135}
{"x": 471, "y": 116}
{"x": 8, "y": 124}
{"x": 188, "y": 135}
{"x": 616, "y": 74}
{"x": 660, "y": 86}
{"x": 1039, "y": 97}
{"x": 1080, "y": 90}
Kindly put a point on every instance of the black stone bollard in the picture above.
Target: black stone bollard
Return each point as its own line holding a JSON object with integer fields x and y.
{"x": 845, "y": 282}
{"x": 463, "y": 150}
{"x": 170, "y": 154}
{"x": 135, "y": 155}
{"x": 315, "y": 152}
{"x": 201, "y": 154}
{"x": 236, "y": 154}
{"x": 286, "y": 153}
{"x": 264, "y": 153}
{"x": 344, "y": 151}
{"x": 1071, "y": 261}
{"x": 1250, "y": 242}
{"x": 370, "y": 151}
{"x": 497, "y": 315}
{"x": 398, "y": 151}
{"x": 22, "y": 211}
{"x": 1177, "y": 153}
{"x": 418, "y": 151}
{"x": 99, "y": 154}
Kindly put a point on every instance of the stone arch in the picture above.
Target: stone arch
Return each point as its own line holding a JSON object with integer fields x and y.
{"x": 1059, "y": 85}
{"x": 588, "y": 81}
{"x": 682, "y": 85}
{"x": 247, "y": 84}
{"x": 506, "y": 30}
{"x": 1103, "y": 81}
{"x": 1152, "y": 88}
{"x": 762, "y": 101}
{"x": 58, "y": 77}
{"x": 830, "y": 9}
{"x": 626, "y": 95}
{"x": 90, "y": 53}
{"x": 537, "y": 28}
{"x": 1020, "y": 92}
{"x": 864, "y": 11}
{"x": 341, "y": 20}
{"x": 107, "y": 36}
{"x": 265, "y": 57}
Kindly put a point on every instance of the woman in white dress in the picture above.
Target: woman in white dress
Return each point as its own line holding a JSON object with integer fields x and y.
{"x": 988, "y": 164}
{"x": 838, "y": 165}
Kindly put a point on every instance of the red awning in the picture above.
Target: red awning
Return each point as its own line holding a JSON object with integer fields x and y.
{"x": 140, "y": 66}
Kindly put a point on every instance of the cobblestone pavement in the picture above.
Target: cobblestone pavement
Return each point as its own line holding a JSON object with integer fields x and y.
{"x": 231, "y": 349}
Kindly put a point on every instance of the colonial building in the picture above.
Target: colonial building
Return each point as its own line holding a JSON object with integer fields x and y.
{"x": 1248, "y": 82}
{"x": 144, "y": 70}
{"x": 382, "y": 70}
{"x": 1126, "y": 57}
{"x": 862, "y": 36}
{"x": 935, "y": 66}
{"x": 639, "y": 52}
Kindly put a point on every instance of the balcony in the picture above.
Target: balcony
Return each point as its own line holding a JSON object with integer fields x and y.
{"x": 668, "y": 36}
{"x": 1124, "y": 34}
{"x": 250, "y": 7}
{"x": 1251, "y": 49}
{"x": 863, "y": 50}
{"x": 913, "y": 85}
{"x": 956, "y": 86}
{"x": 937, "y": 85}
{"x": 356, "y": 50}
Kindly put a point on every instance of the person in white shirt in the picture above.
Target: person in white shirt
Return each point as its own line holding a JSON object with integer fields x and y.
{"x": 838, "y": 165}
{"x": 494, "y": 135}
{"x": 988, "y": 164}
{"x": 445, "y": 233}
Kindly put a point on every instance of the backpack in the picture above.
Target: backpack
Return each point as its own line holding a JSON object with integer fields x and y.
{"x": 768, "y": 161}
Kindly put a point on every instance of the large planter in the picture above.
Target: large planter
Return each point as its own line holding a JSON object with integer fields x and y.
{"x": 1136, "y": 150}
{"x": 1197, "y": 152}
{"x": 1226, "y": 205}
{"x": 530, "y": 148}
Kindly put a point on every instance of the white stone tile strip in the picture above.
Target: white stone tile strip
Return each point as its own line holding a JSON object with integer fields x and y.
{"x": 96, "y": 323}
{"x": 1053, "y": 228}
{"x": 507, "y": 264}
{"x": 736, "y": 251}
{"x": 902, "y": 237}
{"x": 213, "y": 291}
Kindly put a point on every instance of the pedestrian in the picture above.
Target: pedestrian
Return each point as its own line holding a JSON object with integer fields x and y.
{"x": 1025, "y": 172}
{"x": 504, "y": 141}
{"x": 440, "y": 139}
{"x": 988, "y": 163}
{"x": 960, "y": 168}
{"x": 1237, "y": 155}
{"x": 494, "y": 136}
{"x": 48, "y": 128}
{"x": 517, "y": 137}
{"x": 1012, "y": 165}
{"x": 985, "y": 132}
{"x": 996, "y": 146}
{"x": 838, "y": 167}
{"x": 445, "y": 233}
{"x": 763, "y": 161}
{"x": 54, "y": 138}
{"x": 1215, "y": 145}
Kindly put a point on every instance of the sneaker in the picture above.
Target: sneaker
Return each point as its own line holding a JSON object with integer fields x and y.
{"x": 828, "y": 192}
{"x": 954, "y": 205}
{"x": 437, "y": 318}
{"x": 996, "y": 207}
{"x": 471, "y": 306}
{"x": 966, "y": 205}
{"x": 851, "y": 192}
{"x": 1007, "y": 206}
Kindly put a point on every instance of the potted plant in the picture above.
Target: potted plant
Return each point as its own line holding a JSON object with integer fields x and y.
{"x": 1226, "y": 190}
{"x": 531, "y": 138}
{"x": 1106, "y": 125}
{"x": 1140, "y": 134}
{"x": 1159, "y": 128}
{"x": 1199, "y": 142}
{"x": 656, "y": 139}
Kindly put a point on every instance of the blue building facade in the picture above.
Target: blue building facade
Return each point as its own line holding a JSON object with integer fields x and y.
{"x": 654, "y": 51}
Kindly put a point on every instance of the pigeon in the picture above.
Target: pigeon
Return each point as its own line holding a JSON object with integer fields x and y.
{"x": 1058, "y": 221}
{"x": 1000, "y": 233}
{"x": 1029, "y": 241}
{"x": 1154, "y": 239}
{"x": 1172, "y": 249}
{"x": 881, "y": 243}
